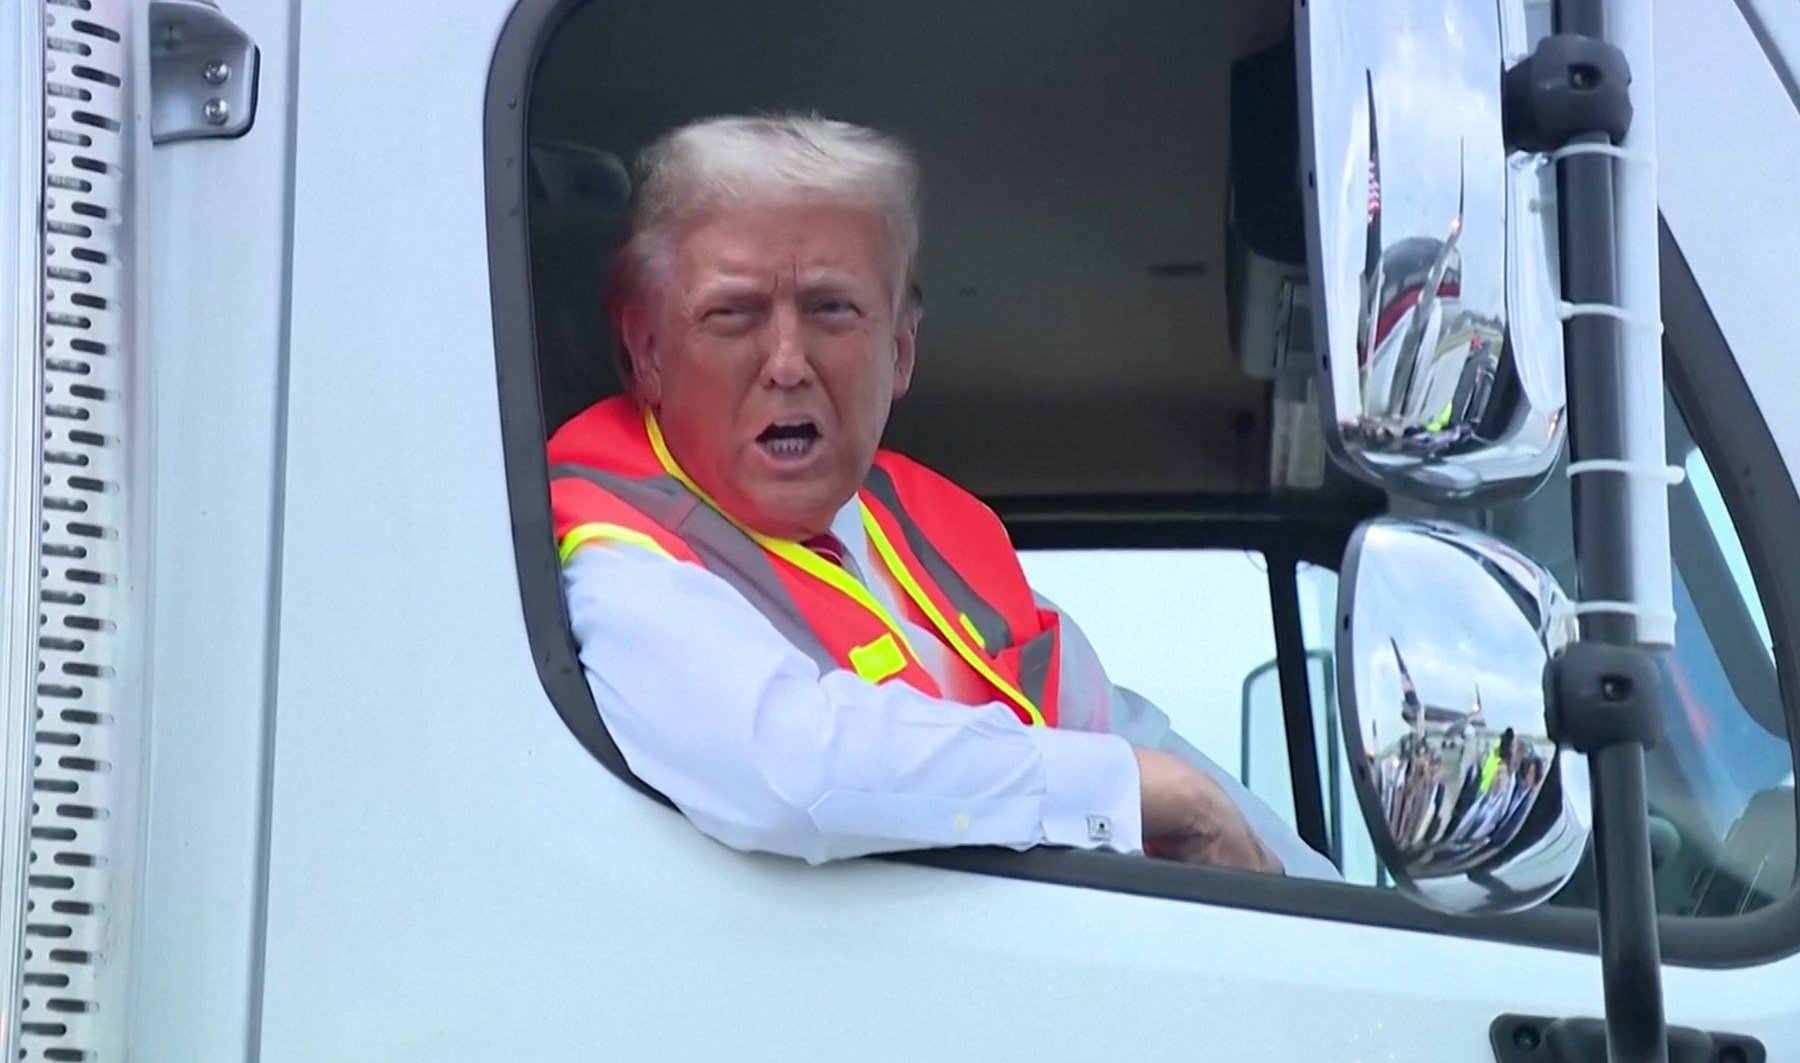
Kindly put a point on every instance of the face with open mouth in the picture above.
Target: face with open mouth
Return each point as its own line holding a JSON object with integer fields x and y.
{"x": 773, "y": 356}
{"x": 790, "y": 440}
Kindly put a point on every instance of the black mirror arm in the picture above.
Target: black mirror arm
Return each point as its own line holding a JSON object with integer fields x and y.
{"x": 1602, "y": 702}
{"x": 1575, "y": 89}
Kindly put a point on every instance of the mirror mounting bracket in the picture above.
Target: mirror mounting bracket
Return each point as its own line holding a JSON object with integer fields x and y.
{"x": 1570, "y": 87}
{"x": 1537, "y": 1039}
{"x": 1598, "y": 695}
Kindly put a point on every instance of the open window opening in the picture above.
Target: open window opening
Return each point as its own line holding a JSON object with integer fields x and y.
{"x": 1116, "y": 354}
{"x": 1076, "y": 264}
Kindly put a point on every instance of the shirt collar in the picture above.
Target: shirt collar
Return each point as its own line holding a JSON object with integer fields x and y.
{"x": 847, "y": 526}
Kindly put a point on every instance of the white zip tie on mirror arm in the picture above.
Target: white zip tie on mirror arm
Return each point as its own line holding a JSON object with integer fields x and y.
{"x": 1642, "y": 158}
{"x": 1642, "y": 613}
{"x": 1567, "y": 310}
{"x": 1669, "y": 474}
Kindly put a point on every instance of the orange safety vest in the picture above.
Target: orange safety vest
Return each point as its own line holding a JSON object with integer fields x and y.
{"x": 613, "y": 479}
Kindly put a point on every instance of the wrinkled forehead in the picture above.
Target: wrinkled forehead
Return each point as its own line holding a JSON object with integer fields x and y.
{"x": 771, "y": 243}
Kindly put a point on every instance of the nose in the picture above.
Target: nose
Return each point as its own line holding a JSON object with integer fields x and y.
{"x": 785, "y": 364}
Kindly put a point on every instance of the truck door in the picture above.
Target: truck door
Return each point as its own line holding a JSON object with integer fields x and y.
{"x": 357, "y": 802}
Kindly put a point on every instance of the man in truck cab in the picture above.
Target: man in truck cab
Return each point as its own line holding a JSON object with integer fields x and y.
{"x": 812, "y": 646}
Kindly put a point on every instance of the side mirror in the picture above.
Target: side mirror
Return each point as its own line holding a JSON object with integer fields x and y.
{"x": 1433, "y": 249}
{"x": 1443, "y": 638}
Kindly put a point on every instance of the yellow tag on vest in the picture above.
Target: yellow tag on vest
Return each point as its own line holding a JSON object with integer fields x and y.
{"x": 878, "y": 660}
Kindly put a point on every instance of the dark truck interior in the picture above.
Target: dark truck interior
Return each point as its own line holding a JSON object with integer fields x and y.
{"x": 1116, "y": 349}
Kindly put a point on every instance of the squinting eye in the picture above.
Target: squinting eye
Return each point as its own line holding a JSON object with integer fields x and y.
{"x": 835, "y": 307}
{"x": 726, "y": 315}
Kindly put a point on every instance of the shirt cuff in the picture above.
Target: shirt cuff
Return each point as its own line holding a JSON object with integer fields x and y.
{"x": 1092, "y": 795}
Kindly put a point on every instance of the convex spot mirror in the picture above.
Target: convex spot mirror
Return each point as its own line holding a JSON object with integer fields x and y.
{"x": 1433, "y": 251}
{"x": 1443, "y": 639}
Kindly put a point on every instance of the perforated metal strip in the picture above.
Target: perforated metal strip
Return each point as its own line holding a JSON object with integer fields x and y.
{"x": 68, "y": 922}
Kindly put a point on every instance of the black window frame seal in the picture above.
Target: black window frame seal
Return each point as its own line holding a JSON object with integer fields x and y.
{"x": 1722, "y": 413}
{"x": 1303, "y": 744}
{"x": 1784, "y": 71}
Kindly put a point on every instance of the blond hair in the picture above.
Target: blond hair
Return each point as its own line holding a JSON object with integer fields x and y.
{"x": 741, "y": 161}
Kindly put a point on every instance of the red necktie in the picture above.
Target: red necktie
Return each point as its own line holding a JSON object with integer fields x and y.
{"x": 828, "y": 547}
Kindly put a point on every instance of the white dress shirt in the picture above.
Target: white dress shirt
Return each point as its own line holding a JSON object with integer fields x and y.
{"x": 712, "y": 707}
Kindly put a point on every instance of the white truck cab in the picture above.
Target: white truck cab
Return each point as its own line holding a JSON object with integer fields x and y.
{"x": 298, "y": 761}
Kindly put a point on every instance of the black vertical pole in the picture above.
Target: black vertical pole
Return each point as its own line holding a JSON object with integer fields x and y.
{"x": 1630, "y": 951}
{"x": 1296, "y": 700}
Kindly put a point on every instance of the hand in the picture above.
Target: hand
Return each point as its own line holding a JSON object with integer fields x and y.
{"x": 1189, "y": 817}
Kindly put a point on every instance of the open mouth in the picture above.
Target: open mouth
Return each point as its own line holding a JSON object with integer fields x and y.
{"x": 789, "y": 440}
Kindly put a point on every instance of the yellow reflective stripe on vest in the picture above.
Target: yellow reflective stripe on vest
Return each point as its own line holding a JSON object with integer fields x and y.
{"x": 974, "y": 633}
{"x": 1489, "y": 768}
{"x": 793, "y": 553}
{"x": 583, "y": 534}
{"x": 951, "y": 635}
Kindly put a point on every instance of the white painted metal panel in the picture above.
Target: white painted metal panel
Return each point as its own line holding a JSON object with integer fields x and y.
{"x": 216, "y": 244}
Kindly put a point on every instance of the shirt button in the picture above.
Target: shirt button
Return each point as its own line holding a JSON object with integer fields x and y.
{"x": 961, "y": 822}
{"x": 1099, "y": 828}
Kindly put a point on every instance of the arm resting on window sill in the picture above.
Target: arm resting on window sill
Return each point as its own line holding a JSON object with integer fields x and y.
{"x": 712, "y": 707}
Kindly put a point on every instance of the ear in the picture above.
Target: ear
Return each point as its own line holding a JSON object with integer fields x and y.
{"x": 637, "y": 327}
{"x": 906, "y": 341}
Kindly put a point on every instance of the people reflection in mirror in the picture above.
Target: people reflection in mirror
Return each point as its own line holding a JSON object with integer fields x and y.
{"x": 1453, "y": 791}
{"x": 1427, "y": 361}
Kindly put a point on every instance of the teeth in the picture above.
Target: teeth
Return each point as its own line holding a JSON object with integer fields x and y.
{"x": 787, "y": 448}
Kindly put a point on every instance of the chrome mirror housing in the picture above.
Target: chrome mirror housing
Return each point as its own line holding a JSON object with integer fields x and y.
{"x": 1444, "y": 636}
{"x": 1433, "y": 250}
